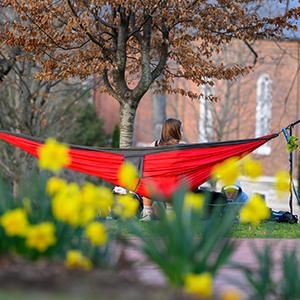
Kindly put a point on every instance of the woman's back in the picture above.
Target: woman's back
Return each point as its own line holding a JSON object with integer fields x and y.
{"x": 170, "y": 135}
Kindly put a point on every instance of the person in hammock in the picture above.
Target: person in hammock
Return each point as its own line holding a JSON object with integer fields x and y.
{"x": 171, "y": 134}
{"x": 234, "y": 193}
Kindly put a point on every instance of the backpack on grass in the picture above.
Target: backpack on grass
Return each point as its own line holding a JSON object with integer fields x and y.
{"x": 283, "y": 217}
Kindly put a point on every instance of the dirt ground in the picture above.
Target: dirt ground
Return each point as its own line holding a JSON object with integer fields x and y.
{"x": 20, "y": 279}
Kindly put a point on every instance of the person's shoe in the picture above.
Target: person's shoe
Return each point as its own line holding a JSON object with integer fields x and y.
{"x": 146, "y": 216}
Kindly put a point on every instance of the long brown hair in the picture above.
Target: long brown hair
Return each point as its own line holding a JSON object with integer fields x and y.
{"x": 170, "y": 132}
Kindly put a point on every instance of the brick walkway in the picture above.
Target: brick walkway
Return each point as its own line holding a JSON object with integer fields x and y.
{"x": 228, "y": 276}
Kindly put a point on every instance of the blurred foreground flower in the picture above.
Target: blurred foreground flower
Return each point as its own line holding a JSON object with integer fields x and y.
{"x": 282, "y": 183}
{"x": 96, "y": 233}
{"x": 199, "y": 284}
{"x": 251, "y": 168}
{"x": 15, "y": 222}
{"x": 41, "y": 236}
{"x": 231, "y": 294}
{"x": 228, "y": 171}
{"x": 254, "y": 211}
{"x": 75, "y": 259}
{"x": 128, "y": 176}
{"x": 99, "y": 199}
{"x": 55, "y": 185}
{"x": 193, "y": 201}
{"x": 79, "y": 206}
{"x": 126, "y": 206}
{"x": 53, "y": 155}
{"x": 66, "y": 205}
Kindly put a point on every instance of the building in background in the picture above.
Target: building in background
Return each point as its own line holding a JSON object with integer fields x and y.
{"x": 262, "y": 102}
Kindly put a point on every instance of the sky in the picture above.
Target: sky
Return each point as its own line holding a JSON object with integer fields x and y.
{"x": 273, "y": 8}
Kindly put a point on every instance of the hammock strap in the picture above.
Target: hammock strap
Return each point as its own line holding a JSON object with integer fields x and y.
{"x": 292, "y": 186}
{"x": 293, "y": 124}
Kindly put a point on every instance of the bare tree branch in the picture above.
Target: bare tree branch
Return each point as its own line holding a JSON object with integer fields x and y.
{"x": 253, "y": 52}
{"x": 92, "y": 38}
{"x": 108, "y": 85}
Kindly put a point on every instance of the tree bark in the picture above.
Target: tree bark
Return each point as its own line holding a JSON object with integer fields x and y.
{"x": 127, "y": 116}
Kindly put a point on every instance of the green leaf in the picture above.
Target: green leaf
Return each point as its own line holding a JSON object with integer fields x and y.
{"x": 292, "y": 144}
{"x": 185, "y": 242}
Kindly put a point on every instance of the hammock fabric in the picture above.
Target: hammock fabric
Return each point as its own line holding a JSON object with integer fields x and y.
{"x": 161, "y": 169}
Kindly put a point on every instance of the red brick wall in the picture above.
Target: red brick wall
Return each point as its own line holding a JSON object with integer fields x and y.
{"x": 107, "y": 109}
{"x": 279, "y": 61}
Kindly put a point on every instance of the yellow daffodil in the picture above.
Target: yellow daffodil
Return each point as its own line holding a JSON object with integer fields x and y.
{"x": 75, "y": 259}
{"x": 128, "y": 176}
{"x": 89, "y": 194}
{"x": 228, "y": 171}
{"x": 193, "y": 201}
{"x": 66, "y": 205}
{"x": 126, "y": 206}
{"x": 251, "y": 168}
{"x": 282, "y": 183}
{"x": 15, "y": 222}
{"x": 96, "y": 233}
{"x": 53, "y": 155}
{"x": 78, "y": 207}
{"x": 231, "y": 294}
{"x": 99, "y": 198}
{"x": 199, "y": 284}
{"x": 105, "y": 200}
{"x": 254, "y": 211}
{"x": 41, "y": 236}
{"x": 54, "y": 185}
{"x": 87, "y": 214}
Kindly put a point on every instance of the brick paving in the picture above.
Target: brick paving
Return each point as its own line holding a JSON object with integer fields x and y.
{"x": 228, "y": 277}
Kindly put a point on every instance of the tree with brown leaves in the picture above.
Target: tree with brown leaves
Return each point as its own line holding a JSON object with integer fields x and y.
{"x": 132, "y": 44}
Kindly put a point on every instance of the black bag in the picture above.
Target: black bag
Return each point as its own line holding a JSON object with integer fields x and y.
{"x": 283, "y": 217}
{"x": 214, "y": 199}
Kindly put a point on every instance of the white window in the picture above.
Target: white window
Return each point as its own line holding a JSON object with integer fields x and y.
{"x": 206, "y": 118}
{"x": 263, "y": 110}
{"x": 159, "y": 114}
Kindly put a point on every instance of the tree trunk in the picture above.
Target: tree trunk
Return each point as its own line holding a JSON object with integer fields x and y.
{"x": 127, "y": 116}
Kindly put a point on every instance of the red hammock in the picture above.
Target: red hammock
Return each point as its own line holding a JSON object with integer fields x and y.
{"x": 162, "y": 169}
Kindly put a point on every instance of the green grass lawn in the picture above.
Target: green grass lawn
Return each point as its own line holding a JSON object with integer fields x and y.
{"x": 267, "y": 230}
{"x": 264, "y": 230}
